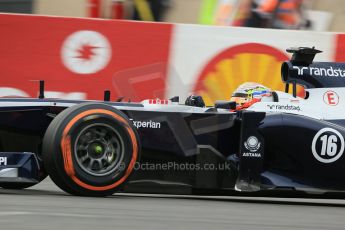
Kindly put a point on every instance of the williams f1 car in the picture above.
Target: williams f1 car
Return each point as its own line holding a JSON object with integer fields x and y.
{"x": 97, "y": 148}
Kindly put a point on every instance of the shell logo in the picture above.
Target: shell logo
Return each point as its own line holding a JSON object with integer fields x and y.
{"x": 251, "y": 62}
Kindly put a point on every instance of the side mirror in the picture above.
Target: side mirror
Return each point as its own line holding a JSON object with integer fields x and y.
{"x": 229, "y": 105}
{"x": 175, "y": 99}
{"x": 195, "y": 100}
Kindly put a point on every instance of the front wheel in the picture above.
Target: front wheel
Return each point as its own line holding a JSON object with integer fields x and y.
{"x": 90, "y": 149}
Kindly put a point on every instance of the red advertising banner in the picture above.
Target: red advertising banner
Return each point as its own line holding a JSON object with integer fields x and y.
{"x": 79, "y": 58}
{"x": 340, "y": 49}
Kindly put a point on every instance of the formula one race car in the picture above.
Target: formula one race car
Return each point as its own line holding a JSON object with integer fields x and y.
{"x": 98, "y": 148}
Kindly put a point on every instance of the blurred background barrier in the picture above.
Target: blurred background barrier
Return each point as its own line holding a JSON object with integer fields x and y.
{"x": 81, "y": 57}
{"x": 213, "y": 61}
{"x": 318, "y": 15}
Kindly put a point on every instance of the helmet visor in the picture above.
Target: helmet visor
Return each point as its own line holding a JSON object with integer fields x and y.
{"x": 239, "y": 100}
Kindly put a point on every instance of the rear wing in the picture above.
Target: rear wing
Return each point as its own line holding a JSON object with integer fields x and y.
{"x": 303, "y": 55}
{"x": 303, "y": 71}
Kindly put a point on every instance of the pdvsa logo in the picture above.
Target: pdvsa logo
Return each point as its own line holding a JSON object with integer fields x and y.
{"x": 327, "y": 145}
{"x": 86, "y": 52}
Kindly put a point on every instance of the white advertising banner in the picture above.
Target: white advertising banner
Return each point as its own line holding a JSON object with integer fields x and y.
{"x": 213, "y": 61}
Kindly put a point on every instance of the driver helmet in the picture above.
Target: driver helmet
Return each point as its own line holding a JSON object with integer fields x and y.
{"x": 249, "y": 93}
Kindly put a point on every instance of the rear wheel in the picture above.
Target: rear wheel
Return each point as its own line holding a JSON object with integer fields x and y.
{"x": 90, "y": 149}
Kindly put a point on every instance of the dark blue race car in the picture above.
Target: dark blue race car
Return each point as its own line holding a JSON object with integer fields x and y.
{"x": 96, "y": 148}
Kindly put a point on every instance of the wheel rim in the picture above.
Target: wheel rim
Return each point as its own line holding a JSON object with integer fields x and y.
{"x": 99, "y": 149}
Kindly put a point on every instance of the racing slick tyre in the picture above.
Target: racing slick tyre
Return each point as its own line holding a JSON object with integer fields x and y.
{"x": 90, "y": 149}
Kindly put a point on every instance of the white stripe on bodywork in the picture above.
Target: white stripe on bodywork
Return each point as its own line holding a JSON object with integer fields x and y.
{"x": 177, "y": 108}
{"x": 9, "y": 172}
{"x": 314, "y": 106}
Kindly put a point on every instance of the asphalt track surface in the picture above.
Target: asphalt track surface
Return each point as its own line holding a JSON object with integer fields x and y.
{"x": 45, "y": 206}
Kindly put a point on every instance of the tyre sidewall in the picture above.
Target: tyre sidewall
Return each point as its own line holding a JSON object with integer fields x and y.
{"x": 70, "y": 182}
